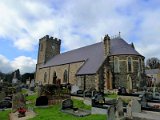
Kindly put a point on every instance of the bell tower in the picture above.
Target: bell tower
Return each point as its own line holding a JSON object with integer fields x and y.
{"x": 48, "y": 47}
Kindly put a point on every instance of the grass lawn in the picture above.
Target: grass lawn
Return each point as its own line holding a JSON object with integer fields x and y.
{"x": 4, "y": 115}
{"x": 54, "y": 113}
{"x": 112, "y": 96}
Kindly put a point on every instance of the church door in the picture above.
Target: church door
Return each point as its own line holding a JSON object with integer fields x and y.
{"x": 109, "y": 80}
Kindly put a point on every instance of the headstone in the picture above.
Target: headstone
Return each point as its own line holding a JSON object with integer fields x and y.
{"x": 18, "y": 101}
{"x": 94, "y": 92}
{"x": 74, "y": 88}
{"x": 39, "y": 90}
{"x": 111, "y": 113}
{"x": 129, "y": 111}
{"x": 67, "y": 104}
{"x": 119, "y": 108}
{"x": 143, "y": 101}
{"x": 135, "y": 106}
{"x": 2, "y": 95}
{"x": 42, "y": 101}
{"x": 32, "y": 85}
{"x": 123, "y": 90}
{"x": 5, "y": 104}
{"x": 98, "y": 100}
{"x": 80, "y": 92}
{"x": 87, "y": 94}
{"x": 14, "y": 80}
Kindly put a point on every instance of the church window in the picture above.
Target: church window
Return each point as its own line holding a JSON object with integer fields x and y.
{"x": 54, "y": 77}
{"x": 116, "y": 65}
{"x": 129, "y": 64}
{"x": 65, "y": 76}
{"x": 45, "y": 77}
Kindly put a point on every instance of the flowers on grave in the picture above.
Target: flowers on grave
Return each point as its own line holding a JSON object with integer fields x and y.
{"x": 22, "y": 110}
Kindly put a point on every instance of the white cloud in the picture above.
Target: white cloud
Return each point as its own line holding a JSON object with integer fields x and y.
{"x": 81, "y": 22}
{"x": 25, "y": 64}
{"x": 5, "y": 64}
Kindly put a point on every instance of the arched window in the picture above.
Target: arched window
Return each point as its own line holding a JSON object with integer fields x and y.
{"x": 65, "y": 76}
{"x": 116, "y": 65}
{"x": 45, "y": 77}
{"x": 54, "y": 77}
{"x": 129, "y": 64}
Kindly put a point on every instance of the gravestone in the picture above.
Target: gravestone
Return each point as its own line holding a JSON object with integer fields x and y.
{"x": 2, "y": 95}
{"x": 87, "y": 94}
{"x": 119, "y": 109}
{"x": 144, "y": 101}
{"x": 18, "y": 101}
{"x": 123, "y": 90}
{"x": 111, "y": 113}
{"x": 42, "y": 101}
{"x": 135, "y": 106}
{"x": 67, "y": 104}
{"x": 39, "y": 90}
{"x": 5, "y": 104}
{"x": 14, "y": 80}
{"x": 74, "y": 88}
{"x": 80, "y": 92}
{"x": 32, "y": 85}
{"x": 129, "y": 111}
{"x": 98, "y": 100}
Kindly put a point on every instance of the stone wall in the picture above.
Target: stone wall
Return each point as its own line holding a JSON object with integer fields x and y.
{"x": 90, "y": 81}
{"x": 121, "y": 77}
{"x": 71, "y": 68}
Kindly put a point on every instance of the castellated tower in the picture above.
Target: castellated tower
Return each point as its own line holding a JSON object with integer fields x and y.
{"x": 48, "y": 47}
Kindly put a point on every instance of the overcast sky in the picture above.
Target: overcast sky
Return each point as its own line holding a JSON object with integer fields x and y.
{"x": 77, "y": 23}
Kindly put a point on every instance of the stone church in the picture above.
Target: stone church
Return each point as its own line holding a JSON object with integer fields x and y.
{"x": 105, "y": 65}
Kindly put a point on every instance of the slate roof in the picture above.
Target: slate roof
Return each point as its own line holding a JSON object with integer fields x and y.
{"x": 92, "y": 55}
{"x": 153, "y": 71}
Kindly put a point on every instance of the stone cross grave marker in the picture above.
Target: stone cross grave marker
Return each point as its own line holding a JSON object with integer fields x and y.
{"x": 18, "y": 101}
{"x": 68, "y": 103}
{"x": 111, "y": 113}
{"x": 135, "y": 106}
{"x": 119, "y": 108}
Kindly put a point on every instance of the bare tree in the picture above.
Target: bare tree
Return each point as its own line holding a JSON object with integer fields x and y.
{"x": 153, "y": 63}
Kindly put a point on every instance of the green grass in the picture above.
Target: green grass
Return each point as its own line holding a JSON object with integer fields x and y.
{"x": 114, "y": 96}
{"x": 4, "y": 115}
{"x": 24, "y": 91}
{"x": 31, "y": 98}
{"x": 54, "y": 113}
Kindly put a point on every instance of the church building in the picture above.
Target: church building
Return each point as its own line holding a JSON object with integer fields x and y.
{"x": 105, "y": 65}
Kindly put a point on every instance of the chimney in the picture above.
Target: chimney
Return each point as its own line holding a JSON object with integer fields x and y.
{"x": 107, "y": 45}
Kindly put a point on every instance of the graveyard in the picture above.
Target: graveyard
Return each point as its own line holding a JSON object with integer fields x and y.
{"x": 59, "y": 101}
{"x": 55, "y": 102}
